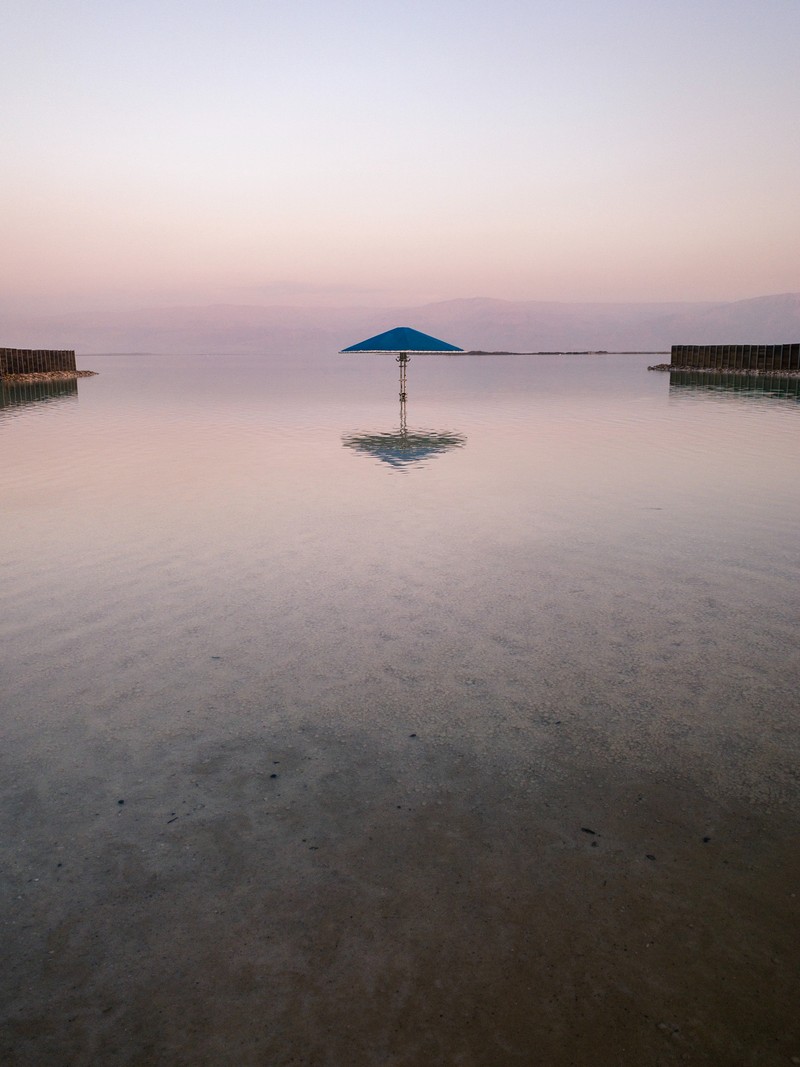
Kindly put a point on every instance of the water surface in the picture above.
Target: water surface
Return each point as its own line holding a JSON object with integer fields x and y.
{"x": 332, "y": 733}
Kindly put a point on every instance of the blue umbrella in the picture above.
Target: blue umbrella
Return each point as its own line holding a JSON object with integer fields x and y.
{"x": 402, "y": 339}
{"x": 402, "y": 448}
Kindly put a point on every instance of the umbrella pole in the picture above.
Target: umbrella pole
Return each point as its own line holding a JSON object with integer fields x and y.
{"x": 402, "y": 359}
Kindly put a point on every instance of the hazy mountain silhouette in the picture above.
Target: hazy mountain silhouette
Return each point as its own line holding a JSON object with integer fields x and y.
{"x": 479, "y": 323}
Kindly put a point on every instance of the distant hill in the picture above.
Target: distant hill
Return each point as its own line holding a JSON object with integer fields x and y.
{"x": 764, "y": 320}
{"x": 478, "y": 323}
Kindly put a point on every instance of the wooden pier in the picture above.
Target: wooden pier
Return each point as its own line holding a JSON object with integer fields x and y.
{"x": 773, "y": 358}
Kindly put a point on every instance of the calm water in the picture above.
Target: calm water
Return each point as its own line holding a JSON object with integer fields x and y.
{"x": 565, "y": 569}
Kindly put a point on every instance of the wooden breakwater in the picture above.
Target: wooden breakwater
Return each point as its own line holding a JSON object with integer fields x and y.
{"x": 737, "y": 357}
{"x": 35, "y": 361}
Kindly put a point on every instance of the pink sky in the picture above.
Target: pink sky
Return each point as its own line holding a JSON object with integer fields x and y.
{"x": 332, "y": 153}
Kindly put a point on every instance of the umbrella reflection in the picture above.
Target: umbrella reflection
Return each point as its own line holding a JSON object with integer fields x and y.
{"x": 402, "y": 447}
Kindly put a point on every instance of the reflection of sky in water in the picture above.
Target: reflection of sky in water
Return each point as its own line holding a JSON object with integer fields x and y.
{"x": 238, "y": 458}
{"x": 595, "y": 540}
{"x": 196, "y": 503}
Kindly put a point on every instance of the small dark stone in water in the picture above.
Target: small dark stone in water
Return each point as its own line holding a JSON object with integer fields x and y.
{"x": 586, "y": 830}
{"x": 706, "y": 840}
{"x": 650, "y": 856}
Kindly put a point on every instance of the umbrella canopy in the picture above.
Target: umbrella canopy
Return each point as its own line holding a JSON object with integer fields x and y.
{"x": 402, "y": 339}
{"x": 403, "y": 447}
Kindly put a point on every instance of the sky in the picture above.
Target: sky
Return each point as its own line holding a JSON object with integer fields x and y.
{"x": 336, "y": 152}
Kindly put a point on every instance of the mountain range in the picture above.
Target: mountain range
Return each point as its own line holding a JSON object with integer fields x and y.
{"x": 473, "y": 324}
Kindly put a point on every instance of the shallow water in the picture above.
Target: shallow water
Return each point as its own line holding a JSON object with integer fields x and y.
{"x": 337, "y": 661}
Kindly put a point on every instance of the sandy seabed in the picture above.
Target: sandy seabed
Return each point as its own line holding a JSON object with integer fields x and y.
{"x": 314, "y": 896}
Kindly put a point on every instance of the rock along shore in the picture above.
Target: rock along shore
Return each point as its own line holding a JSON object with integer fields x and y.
{"x": 45, "y": 376}
{"x": 740, "y": 371}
